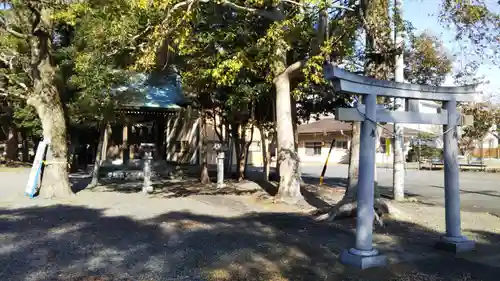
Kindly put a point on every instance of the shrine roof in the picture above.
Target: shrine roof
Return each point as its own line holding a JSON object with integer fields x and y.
{"x": 154, "y": 92}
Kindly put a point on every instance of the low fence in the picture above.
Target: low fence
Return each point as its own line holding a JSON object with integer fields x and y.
{"x": 486, "y": 153}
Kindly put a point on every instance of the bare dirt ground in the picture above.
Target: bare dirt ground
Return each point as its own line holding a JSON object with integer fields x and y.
{"x": 185, "y": 231}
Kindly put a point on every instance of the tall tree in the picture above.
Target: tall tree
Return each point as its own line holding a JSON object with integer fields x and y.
{"x": 99, "y": 44}
{"x": 486, "y": 116}
{"x": 477, "y": 26}
{"x": 398, "y": 161}
{"x": 378, "y": 63}
{"x": 427, "y": 62}
{"x": 283, "y": 24}
{"x": 31, "y": 22}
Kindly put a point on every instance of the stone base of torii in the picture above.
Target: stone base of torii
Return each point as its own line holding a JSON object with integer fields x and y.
{"x": 363, "y": 254}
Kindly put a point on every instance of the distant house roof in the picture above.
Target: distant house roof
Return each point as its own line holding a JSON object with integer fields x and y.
{"x": 324, "y": 126}
{"x": 331, "y": 125}
{"x": 155, "y": 91}
{"x": 408, "y": 132}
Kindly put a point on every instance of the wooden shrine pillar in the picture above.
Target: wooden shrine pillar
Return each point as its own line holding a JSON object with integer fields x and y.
{"x": 167, "y": 136}
{"x": 105, "y": 142}
{"x": 160, "y": 137}
{"x": 125, "y": 153}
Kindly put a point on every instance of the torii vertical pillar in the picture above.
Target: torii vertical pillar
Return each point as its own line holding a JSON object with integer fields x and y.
{"x": 453, "y": 240}
{"x": 363, "y": 255}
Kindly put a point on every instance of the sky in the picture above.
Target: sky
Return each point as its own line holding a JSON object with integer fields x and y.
{"x": 423, "y": 15}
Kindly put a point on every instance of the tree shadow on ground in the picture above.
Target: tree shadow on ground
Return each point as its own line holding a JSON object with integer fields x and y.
{"x": 493, "y": 193}
{"x": 14, "y": 164}
{"x": 341, "y": 183}
{"x": 79, "y": 181}
{"x": 186, "y": 184}
{"x": 63, "y": 243}
{"x": 334, "y": 182}
{"x": 179, "y": 188}
{"x": 313, "y": 198}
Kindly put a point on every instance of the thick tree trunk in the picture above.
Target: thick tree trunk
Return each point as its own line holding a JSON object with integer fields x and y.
{"x": 348, "y": 205}
{"x": 229, "y": 152}
{"x": 73, "y": 155}
{"x": 289, "y": 184}
{"x": 25, "y": 148}
{"x": 376, "y": 15}
{"x": 247, "y": 148}
{"x": 241, "y": 154}
{"x": 204, "y": 176}
{"x": 275, "y": 143}
{"x": 12, "y": 145}
{"x": 241, "y": 165}
{"x": 295, "y": 121}
{"x": 266, "y": 156}
{"x": 398, "y": 160}
{"x": 240, "y": 149}
{"x": 101, "y": 145}
{"x": 49, "y": 108}
{"x": 46, "y": 100}
{"x": 353, "y": 175}
{"x": 377, "y": 150}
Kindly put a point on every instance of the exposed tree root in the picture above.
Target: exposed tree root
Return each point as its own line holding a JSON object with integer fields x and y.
{"x": 348, "y": 208}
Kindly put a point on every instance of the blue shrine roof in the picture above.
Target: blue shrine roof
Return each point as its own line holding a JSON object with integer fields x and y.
{"x": 155, "y": 91}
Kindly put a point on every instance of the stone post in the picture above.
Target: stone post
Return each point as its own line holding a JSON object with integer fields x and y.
{"x": 125, "y": 153}
{"x": 363, "y": 255}
{"x": 220, "y": 148}
{"x": 453, "y": 240}
{"x": 220, "y": 169}
{"x": 148, "y": 157}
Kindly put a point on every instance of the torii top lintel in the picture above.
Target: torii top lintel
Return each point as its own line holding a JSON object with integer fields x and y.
{"x": 352, "y": 83}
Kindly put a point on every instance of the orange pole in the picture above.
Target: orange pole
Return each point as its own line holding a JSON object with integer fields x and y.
{"x": 326, "y": 163}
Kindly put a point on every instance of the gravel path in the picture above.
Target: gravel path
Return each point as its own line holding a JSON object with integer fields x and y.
{"x": 119, "y": 236}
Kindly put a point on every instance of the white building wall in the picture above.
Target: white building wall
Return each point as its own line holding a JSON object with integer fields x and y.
{"x": 425, "y": 107}
{"x": 337, "y": 155}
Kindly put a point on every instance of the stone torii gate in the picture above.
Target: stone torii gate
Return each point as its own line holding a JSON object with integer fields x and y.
{"x": 363, "y": 254}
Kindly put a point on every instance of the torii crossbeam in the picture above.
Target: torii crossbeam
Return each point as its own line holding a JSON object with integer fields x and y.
{"x": 363, "y": 255}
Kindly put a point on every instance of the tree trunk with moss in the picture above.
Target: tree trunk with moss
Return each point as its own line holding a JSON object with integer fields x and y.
{"x": 204, "y": 175}
{"x": 25, "y": 151}
{"x": 289, "y": 183}
{"x": 12, "y": 145}
{"x": 55, "y": 181}
{"x": 266, "y": 155}
{"x": 102, "y": 145}
{"x": 46, "y": 100}
{"x": 375, "y": 14}
{"x": 353, "y": 175}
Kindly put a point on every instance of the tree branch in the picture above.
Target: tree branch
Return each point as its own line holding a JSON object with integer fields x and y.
{"x": 292, "y": 69}
{"x": 275, "y": 15}
{"x": 18, "y": 83}
{"x": 293, "y": 2}
{"x": 334, "y": 6}
{"x": 5, "y": 26}
{"x": 4, "y": 93}
{"x": 495, "y": 135}
{"x": 176, "y": 7}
